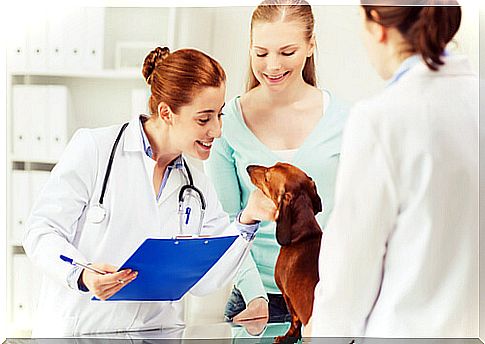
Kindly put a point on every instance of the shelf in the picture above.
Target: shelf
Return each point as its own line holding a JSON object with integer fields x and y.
{"x": 16, "y": 246}
{"x": 20, "y": 159}
{"x": 133, "y": 74}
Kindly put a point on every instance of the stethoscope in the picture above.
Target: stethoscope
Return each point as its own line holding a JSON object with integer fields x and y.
{"x": 97, "y": 213}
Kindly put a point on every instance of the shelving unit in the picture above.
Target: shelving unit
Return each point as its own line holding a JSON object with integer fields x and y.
{"x": 100, "y": 94}
{"x": 109, "y": 74}
{"x": 97, "y": 95}
{"x": 96, "y": 99}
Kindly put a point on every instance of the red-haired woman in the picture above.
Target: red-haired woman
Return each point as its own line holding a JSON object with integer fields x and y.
{"x": 399, "y": 257}
{"x": 116, "y": 186}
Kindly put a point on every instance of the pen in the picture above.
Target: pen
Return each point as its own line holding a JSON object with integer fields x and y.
{"x": 87, "y": 267}
{"x": 187, "y": 212}
{"x": 71, "y": 261}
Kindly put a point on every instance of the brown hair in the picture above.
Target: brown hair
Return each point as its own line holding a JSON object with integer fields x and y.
{"x": 427, "y": 29}
{"x": 270, "y": 11}
{"x": 176, "y": 77}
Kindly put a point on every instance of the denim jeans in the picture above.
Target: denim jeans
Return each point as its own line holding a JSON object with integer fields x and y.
{"x": 278, "y": 312}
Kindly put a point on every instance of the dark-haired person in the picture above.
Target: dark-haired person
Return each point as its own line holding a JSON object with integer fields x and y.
{"x": 140, "y": 201}
{"x": 399, "y": 256}
{"x": 282, "y": 116}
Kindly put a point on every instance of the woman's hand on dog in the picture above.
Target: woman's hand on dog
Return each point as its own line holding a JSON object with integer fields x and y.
{"x": 105, "y": 286}
{"x": 254, "y": 327}
{"x": 259, "y": 208}
{"x": 255, "y": 314}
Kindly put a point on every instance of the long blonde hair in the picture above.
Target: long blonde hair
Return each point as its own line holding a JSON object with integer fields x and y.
{"x": 270, "y": 11}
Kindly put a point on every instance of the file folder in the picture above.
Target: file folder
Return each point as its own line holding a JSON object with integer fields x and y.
{"x": 168, "y": 268}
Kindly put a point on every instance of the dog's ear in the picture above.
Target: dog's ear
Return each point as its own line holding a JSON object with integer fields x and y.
{"x": 316, "y": 201}
{"x": 284, "y": 220}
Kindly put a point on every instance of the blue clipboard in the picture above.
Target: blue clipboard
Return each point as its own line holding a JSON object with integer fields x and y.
{"x": 168, "y": 268}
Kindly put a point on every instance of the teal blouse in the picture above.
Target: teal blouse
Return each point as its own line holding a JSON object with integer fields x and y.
{"x": 237, "y": 148}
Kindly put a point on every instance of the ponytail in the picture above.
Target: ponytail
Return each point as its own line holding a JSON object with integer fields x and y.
{"x": 427, "y": 29}
{"x": 433, "y": 30}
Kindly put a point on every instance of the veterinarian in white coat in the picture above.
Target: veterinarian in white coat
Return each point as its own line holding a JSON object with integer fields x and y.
{"x": 141, "y": 201}
{"x": 399, "y": 256}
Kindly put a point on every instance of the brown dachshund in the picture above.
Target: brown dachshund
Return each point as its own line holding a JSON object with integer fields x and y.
{"x": 297, "y": 231}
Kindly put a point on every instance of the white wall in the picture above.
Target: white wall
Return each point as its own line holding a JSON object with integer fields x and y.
{"x": 230, "y": 45}
{"x": 342, "y": 64}
{"x": 341, "y": 61}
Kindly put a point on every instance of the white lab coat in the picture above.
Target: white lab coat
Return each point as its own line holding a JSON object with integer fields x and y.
{"x": 58, "y": 225}
{"x": 399, "y": 256}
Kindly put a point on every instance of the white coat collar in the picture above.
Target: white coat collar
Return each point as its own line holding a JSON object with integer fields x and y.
{"x": 454, "y": 65}
{"x": 133, "y": 141}
{"x": 405, "y": 66}
{"x": 457, "y": 65}
{"x": 414, "y": 66}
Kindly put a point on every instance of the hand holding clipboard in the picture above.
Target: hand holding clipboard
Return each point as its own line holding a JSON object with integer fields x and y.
{"x": 166, "y": 268}
{"x": 109, "y": 284}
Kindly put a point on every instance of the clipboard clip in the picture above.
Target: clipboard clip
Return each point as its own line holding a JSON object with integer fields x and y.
{"x": 194, "y": 236}
{"x": 185, "y": 237}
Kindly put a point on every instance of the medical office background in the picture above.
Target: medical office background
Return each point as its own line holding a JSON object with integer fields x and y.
{"x": 81, "y": 67}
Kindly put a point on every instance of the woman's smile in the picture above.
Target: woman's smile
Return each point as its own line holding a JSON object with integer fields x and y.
{"x": 204, "y": 145}
{"x": 276, "y": 78}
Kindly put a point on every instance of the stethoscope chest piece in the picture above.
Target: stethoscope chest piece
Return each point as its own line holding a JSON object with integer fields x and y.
{"x": 96, "y": 214}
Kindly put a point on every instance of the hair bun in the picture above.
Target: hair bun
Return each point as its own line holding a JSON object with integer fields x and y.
{"x": 154, "y": 58}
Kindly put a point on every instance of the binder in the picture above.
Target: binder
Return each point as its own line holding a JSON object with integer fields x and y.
{"x": 73, "y": 44}
{"x": 168, "y": 268}
{"x": 47, "y": 106}
{"x": 56, "y": 38}
{"x": 17, "y": 42}
{"x": 39, "y": 116}
{"x": 22, "y": 283}
{"x": 57, "y": 113}
{"x": 21, "y": 203}
{"x": 37, "y": 42}
{"x": 93, "y": 38}
{"x": 23, "y": 107}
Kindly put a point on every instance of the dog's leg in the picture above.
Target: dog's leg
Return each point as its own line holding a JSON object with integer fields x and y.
{"x": 294, "y": 332}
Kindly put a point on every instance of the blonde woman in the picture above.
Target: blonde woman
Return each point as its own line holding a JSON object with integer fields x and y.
{"x": 283, "y": 116}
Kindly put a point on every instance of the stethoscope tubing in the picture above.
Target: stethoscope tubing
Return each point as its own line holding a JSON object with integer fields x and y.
{"x": 182, "y": 192}
{"x": 110, "y": 163}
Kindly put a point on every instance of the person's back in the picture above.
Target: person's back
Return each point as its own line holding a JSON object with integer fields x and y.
{"x": 399, "y": 255}
{"x": 428, "y": 125}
